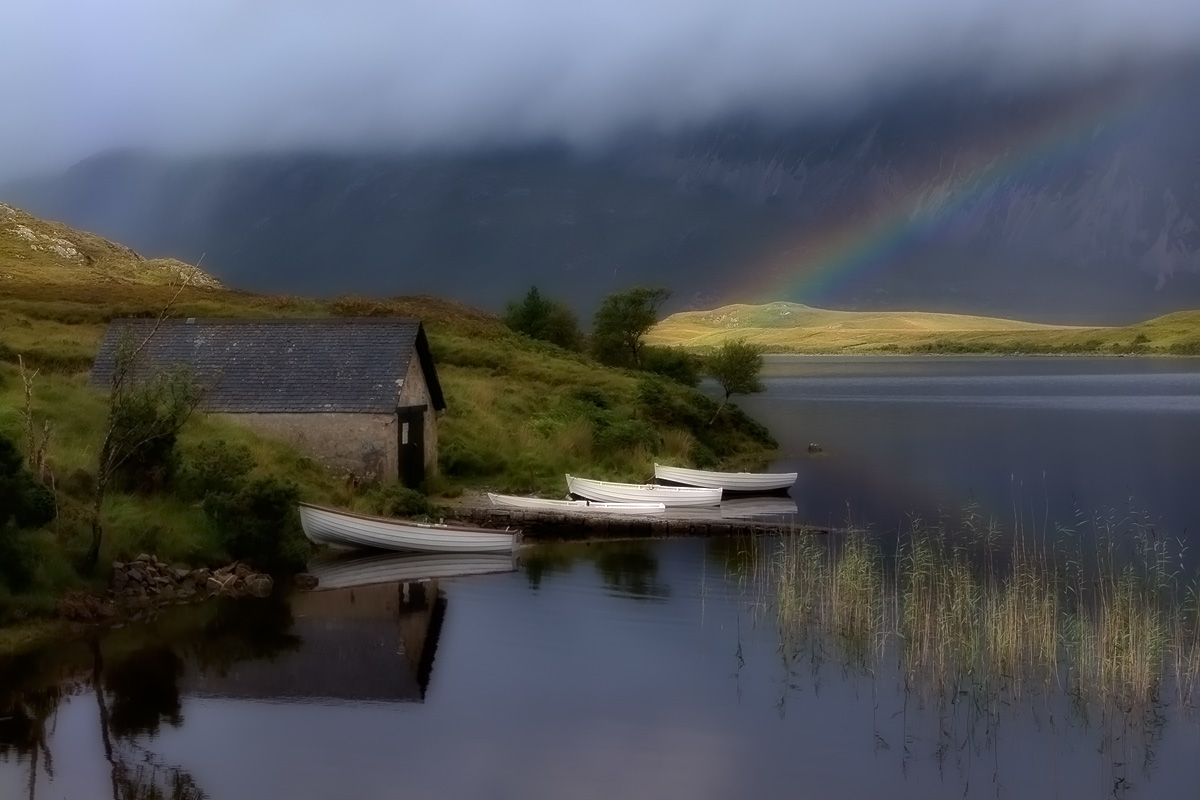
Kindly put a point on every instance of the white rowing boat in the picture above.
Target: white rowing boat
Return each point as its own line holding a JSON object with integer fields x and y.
{"x": 543, "y": 504}
{"x": 331, "y": 526}
{"x": 669, "y": 496}
{"x": 344, "y": 572}
{"x": 728, "y": 481}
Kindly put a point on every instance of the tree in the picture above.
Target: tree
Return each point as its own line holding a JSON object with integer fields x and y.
{"x": 548, "y": 320}
{"x": 735, "y": 365}
{"x": 620, "y": 323}
{"x": 145, "y": 414}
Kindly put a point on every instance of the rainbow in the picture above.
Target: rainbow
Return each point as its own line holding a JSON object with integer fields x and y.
{"x": 809, "y": 265}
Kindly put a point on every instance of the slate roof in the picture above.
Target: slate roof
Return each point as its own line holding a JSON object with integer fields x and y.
{"x": 348, "y": 365}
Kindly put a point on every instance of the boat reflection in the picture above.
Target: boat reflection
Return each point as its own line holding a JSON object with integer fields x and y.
{"x": 346, "y": 570}
{"x": 758, "y": 507}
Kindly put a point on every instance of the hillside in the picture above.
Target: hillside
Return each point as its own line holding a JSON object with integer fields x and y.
{"x": 790, "y": 327}
{"x": 40, "y": 252}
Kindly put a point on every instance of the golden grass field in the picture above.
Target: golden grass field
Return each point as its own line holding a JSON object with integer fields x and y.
{"x": 793, "y": 328}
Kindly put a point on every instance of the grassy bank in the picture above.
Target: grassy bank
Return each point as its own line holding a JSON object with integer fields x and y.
{"x": 794, "y": 328}
{"x": 520, "y": 413}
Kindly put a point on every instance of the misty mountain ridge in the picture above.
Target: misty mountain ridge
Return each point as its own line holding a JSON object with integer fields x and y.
{"x": 1075, "y": 204}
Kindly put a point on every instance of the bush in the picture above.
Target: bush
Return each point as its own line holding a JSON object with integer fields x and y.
{"x": 672, "y": 363}
{"x": 260, "y": 524}
{"x": 394, "y": 500}
{"x": 214, "y": 468}
{"x": 624, "y": 435}
{"x": 24, "y": 504}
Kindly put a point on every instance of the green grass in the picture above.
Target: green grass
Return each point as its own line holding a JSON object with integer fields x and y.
{"x": 792, "y": 328}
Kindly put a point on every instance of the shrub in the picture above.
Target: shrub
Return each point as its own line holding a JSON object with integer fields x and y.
{"x": 260, "y": 524}
{"x": 214, "y": 468}
{"x": 624, "y": 435}
{"x": 672, "y": 363}
{"x": 394, "y": 500}
{"x": 24, "y": 503}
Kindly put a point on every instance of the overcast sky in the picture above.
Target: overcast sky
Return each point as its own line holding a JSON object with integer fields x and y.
{"x": 188, "y": 76}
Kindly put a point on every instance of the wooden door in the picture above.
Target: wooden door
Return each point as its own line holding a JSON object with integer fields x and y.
{"x": 411, "y": 434}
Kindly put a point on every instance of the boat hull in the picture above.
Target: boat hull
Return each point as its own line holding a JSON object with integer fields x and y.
{"x": 543, "y": 504}
{"x": 744, "y": 482}
{"x": 329, "y": 526}
{"x": 669, "y": 496}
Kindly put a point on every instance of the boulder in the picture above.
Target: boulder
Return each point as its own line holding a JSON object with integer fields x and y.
{"x": 306, "y": 581}
{"x": 260, "y": 585}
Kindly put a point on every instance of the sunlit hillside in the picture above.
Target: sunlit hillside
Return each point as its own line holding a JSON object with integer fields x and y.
{"x": 791, "y": 327}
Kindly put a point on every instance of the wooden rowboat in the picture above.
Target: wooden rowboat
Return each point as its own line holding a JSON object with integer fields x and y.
{"x": 728, "y": 481}
{"x": 543, "y": 504}
{"x": 345, "y": 528}
{"x": 669, "y": 496}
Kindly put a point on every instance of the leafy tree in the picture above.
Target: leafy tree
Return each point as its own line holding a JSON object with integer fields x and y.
{"x": 736, "y": 366}
{"x": 621, "y": 321}
{"x": 540, "y": 318}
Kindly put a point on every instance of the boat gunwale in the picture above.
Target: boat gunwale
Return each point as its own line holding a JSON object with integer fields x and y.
{"x": 778, "y": 475}
{"x": 646, "y": 486}
{"x": 398, "y": 522}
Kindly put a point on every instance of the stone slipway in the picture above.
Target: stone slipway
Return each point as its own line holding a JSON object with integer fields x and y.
{"x": 543, "y": 524}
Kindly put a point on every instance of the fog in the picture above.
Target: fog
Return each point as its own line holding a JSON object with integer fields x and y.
{"x": 206, "y": 76}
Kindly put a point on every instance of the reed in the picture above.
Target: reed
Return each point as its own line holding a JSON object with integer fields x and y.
{"x": 1108, "y": 618}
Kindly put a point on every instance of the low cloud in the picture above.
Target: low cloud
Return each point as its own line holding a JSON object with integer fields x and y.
{"x": 201, "y": 76}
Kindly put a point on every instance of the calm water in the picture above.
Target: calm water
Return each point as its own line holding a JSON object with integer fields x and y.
{"x": 643, "y": 670}
{"x": 649, "y": 669}
{"x": 1032, "y": 441}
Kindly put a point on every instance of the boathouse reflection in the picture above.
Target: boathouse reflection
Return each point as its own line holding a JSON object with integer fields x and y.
{"x": 366, "y": 643}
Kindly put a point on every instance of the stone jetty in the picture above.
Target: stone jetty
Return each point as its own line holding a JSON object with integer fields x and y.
{"x": 546, "y": 524}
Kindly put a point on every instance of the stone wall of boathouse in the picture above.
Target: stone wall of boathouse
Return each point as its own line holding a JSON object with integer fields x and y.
{"x": 361, "y": 445}
{"x": 414, "y": 391}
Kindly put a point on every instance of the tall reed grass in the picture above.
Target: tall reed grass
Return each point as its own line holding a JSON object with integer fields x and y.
{"x": 1108, "y": 615}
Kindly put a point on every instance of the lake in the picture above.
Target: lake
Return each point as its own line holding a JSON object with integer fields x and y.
{"x": 700, "y": 668}
{"x": 1030, "y": 441}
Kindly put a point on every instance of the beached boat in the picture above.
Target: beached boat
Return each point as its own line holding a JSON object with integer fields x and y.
{"x": 544, "y": 504}
{"x": 335, "y": 527}
{"x": 728, "y": 481}
{"x": 347, "y": 571}
{"x": 669, "y": 496}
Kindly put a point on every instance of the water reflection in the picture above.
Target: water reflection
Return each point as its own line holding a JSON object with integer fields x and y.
{"x": 378, "y": 689}
{"x": 373, "y": 642}
{"x": 628, "y": 568}
{"x": 365, "y": 643}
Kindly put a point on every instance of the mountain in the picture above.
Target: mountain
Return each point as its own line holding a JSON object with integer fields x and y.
{"x": 1074, "y": 203}
{"x": 34, "y": 251}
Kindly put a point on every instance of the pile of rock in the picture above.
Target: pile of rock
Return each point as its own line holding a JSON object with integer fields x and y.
{"x": 149, "y": 577}
{"x": 147, "y": 583}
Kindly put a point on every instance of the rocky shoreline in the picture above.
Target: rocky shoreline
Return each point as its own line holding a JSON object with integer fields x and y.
{"x": 139, "y": 588}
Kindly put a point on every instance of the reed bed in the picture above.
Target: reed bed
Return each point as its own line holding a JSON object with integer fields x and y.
{"x": 1108, "y": 615}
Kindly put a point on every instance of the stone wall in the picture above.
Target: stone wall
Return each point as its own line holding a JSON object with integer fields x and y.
{"x": 415, "y": 392}
{"x": 363, "y": 445}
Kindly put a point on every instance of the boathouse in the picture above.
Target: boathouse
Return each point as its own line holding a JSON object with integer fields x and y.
{"x": 361, "y": 395}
